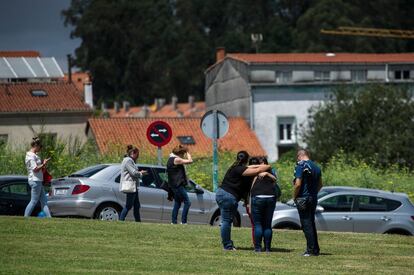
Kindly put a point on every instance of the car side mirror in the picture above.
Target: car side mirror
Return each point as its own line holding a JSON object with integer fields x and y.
{"x": 319, "y": 209}
{"x": 198, "y": 189}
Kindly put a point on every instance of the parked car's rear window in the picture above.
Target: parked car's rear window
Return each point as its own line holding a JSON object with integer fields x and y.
{"x": 89, "y": 171}
{"x": 377, "y": 204}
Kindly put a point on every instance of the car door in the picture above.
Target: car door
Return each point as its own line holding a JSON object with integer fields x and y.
{"x": 337, "y": 214}
{"x": 200, "y": 202}
{"x": 372, "y": 213}
{"x": 151, "y": 196}
{"x": 14, "y": 197}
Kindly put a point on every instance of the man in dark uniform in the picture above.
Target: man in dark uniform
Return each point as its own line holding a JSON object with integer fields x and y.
{"x": 307, "y": 183}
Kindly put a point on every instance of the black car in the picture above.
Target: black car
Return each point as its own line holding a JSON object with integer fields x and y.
{"x": 15, "y": 196}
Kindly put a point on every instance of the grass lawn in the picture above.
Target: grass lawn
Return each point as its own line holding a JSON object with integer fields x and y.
{"x": 68, "y": 246}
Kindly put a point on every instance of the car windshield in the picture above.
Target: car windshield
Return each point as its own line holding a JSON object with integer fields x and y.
{"x": 88, "y": 171}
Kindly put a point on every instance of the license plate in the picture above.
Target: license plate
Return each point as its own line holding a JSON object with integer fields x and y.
{"x": 59, "y": 192}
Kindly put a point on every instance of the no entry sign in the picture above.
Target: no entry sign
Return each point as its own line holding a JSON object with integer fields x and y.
{"x": 159, "y": 133}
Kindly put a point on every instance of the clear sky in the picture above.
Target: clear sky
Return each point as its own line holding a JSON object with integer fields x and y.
{"x": 36, "y": 25}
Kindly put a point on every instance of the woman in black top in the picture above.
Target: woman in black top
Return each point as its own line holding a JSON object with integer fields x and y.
{"x": 177, "y": 180}
{"x": 263, "y": 202}
{"x": 231, "y": 191}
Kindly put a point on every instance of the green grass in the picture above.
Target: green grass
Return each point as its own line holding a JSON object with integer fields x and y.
{"x": 70, "y": 246}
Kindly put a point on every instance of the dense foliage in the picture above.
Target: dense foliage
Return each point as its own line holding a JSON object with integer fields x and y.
{"x": 139, "y": 50}
{"x": 374, "y": 123}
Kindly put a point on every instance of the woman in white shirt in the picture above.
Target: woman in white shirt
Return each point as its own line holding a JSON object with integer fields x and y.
{"x": 34, "y": 167}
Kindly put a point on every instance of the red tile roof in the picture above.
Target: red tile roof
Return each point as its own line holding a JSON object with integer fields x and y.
{"x": 112, "y": 134}
{"x": 133, "y": 111}
{"x": 324, "y": 57}
{"x": 19, "y": 54}
{"x": 183, "y": 110}
{"x": 61, "y": 97}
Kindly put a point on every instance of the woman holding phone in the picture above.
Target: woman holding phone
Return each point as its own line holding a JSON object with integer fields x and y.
{"x": 34, "y": 167}
{"x": 128, "y": 185}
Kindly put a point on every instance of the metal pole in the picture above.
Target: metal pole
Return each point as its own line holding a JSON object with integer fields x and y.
{"x": 159, "y": 155}
{"x": 215, "y": 153}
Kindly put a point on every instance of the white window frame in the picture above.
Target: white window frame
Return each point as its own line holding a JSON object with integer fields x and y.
{"x": 283, "y": 77}
{"x": 285, "y": 122}
{"x": 322, "y": 76}
{"x": 359, "y": 75}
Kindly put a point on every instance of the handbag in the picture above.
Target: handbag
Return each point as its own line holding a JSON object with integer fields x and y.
{"x": 47, "y": 178}
{"x": 128, "y": 187}
{"x": 302, "y": 202}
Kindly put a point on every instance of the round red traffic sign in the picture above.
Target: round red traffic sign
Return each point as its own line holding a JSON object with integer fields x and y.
{"x": 159, "y": 133}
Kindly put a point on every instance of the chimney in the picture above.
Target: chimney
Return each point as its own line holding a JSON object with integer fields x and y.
{"x": 69, "y": 68}
{"x": 145, "y": 111}
{"x": 88, "y": 92}
{"x": 220, "y": 53}
{"x": 161, "y": 102}
{"x": 126, "y": 106}
{"x": 174, "y": 101}
{"x": 191, "y": 101}
{"x": 116, "y": 107}
{"x": 103, "y": 107}
{"x": 157, "y": 104}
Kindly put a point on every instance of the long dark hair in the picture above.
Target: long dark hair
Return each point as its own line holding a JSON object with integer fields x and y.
{"x": 242, "y": 158}
{"x": 130, "y": 149}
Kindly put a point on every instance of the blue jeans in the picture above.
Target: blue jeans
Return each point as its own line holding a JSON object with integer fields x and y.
{"x": 307, "y": 219}
{"x": 262, "y": 213}
{"x": 180, "y": 195}
{"x": 37, "y": 194}
{"x": 132, "y": 199}
{"x": 228, "y": 208}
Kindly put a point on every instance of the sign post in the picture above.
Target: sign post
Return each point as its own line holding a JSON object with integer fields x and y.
{"x": 159, "y": 133}
{"x": 214, "y": 125}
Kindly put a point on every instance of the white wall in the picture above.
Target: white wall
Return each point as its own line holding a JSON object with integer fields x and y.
{"x": 20, "y": 134}
{"x": 269, "y": 105}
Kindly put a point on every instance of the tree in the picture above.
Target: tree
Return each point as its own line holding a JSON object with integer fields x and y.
{"x": 139, "y": 50}
{"x": 374, "y": 123}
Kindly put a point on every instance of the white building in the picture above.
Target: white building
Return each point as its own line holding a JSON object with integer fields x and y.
{"x": 274, "y": 92}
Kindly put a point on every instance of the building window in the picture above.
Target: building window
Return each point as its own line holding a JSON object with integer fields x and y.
{"x": 283, "y": 76}
{"x": 359, "y": 75}
{"x": 286, "y": 129}
{"x": 3, "y": 139}
{"x": 187, "y": 140}
{"x": 402, "y": 74}
{"x": 322, "y": 76}
{"x": 38, "y": 93}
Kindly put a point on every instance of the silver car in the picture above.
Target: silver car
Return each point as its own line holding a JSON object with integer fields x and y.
{"x": 354, "y": 210}
{"x": 93, "y": 192}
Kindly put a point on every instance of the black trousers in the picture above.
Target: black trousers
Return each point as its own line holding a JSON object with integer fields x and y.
{"x": 307, "y": 219}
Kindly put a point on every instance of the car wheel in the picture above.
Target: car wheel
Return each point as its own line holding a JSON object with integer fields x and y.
{"x": 108, "y": 212}
{"x": 216, "y": 220}
{"x": 287, "y": 225}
